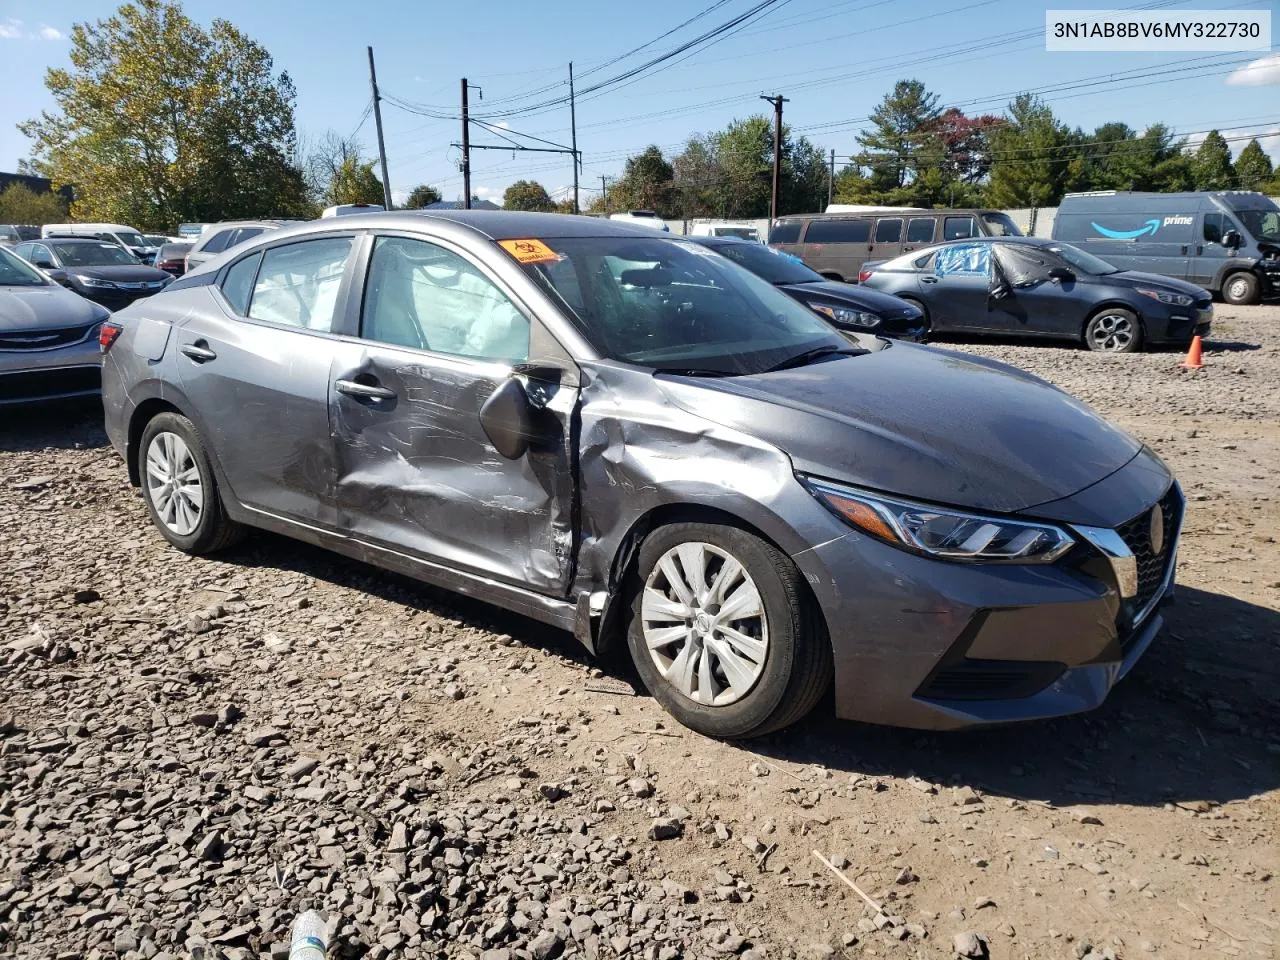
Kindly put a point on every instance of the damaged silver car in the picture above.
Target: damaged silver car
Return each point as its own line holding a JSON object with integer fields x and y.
{"x": 630, "y": 437}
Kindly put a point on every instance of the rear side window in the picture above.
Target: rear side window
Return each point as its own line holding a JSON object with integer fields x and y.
{"x": 788, "y": 231}
{"x": 243, "y": 234}
{"x": 237, "y": 285}
{"x": 958, "y": 228}
{"x": 889, "y": 231}
{"x": 838, "y": 231}
{"x": 218, "y": 242}
{"x": 297, "y": 284}
{"x": 920, "y": 230}
{"x": 964, "y": 259}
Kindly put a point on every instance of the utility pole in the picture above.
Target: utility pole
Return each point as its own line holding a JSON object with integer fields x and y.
{"x": 604, "y": 189}
{"x": 777, "y": 100}
{"x": 831, "y": 177}
{"x": 466, "y": 151}
{"x": 377, "y": 119}
{"x": 573, "y": 134}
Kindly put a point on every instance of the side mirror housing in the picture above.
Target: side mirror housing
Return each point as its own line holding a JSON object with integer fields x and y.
{"x": 1232, "y": 240}
{"x": 507, "y": 419}
{"x": 56, "y": 275}
{"x": 1062, "y": 274}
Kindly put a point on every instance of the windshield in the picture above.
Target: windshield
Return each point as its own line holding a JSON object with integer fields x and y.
{"x": 673, "y": 305}
{"x": 767, "y": 264}
{"x": 1001, "y": 225}
{"x": 132, "y": 240}
{"x": 93, "y": 255}
{"x": 15, "y": 272}
{"x": 742, "y": 233}
{"x": 9, "y": 233}
{"x": 1084, "y": 262}
{"x": 1263, "y": 225}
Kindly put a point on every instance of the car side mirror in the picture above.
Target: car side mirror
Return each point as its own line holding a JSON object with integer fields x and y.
{"x": 1232, "y": 240}
{"x": 56, "y": 275}
{"x": 1062, "y": 274}
{"x": 507, "y": 419}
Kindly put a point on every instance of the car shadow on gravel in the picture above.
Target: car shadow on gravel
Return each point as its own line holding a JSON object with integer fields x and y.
{"x": 1193, "y": 722}
{"x": 58, "y": 424}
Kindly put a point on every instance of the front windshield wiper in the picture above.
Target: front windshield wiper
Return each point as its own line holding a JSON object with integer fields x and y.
{"x": 696, "y": 372}
{"x": 804, "y": 359}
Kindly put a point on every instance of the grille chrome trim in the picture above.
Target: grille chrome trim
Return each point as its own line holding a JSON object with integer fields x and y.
{"x": 1123, "y": 563}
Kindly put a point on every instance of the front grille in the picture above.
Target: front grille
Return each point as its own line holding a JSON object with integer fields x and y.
{"x": 43, "y": 384}
{"x": 1136, "y": 534}
{"x": 43, "y": 339}
{"x": 965, "y": 679}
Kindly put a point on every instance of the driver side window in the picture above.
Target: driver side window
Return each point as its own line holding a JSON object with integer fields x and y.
{"x": 1213, "y": 228}
{"x": 964, "y": 260}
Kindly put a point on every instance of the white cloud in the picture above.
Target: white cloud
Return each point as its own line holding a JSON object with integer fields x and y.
{"x": 1260, "y": 72}
{"x": 50, "y": 33}
{"x": 503, "y": 124}
{"x": 10, "y": 29}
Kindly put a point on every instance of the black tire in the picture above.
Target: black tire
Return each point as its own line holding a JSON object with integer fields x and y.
{"x": 1241, "y": 289}
{"x": 797, "y": 666}
{"x": 928, "y": 324}
{"x": 213, "y": 530}
{"x": 834, "y": 276}
{"x": 1113, "y": 330}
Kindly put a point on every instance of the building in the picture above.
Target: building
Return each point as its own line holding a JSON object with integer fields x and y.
{"x": 34, "y": 184}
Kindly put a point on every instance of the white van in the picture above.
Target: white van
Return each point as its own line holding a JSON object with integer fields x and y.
{"x": 643, "y": 218}
{"x": 128, "y": 237}
{"x": 342, "y": 209}
{"x": 742, "y": 231}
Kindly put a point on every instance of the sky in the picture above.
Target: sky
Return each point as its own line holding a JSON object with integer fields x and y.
{"x": 833, "y": 59}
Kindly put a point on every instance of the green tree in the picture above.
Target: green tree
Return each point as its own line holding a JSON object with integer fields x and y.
{"x": 646, "y": 183}
{"x": 1211, "y": 167}
{"x": 21, "y": 205}
{"x": 744, "y": 155}
{"x": 354, "y": 182}
{"x": 902, "y": 139}
{"x": 1030, "y": 155}
{"x": 159, "y": 120}
{"x": 421, "y": 196}
{"x": 527, "y": 195}
{"x": 1253, "y": 166}
{"x": 697, "y": 175}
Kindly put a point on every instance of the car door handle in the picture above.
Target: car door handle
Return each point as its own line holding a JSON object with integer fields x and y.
{"x": 1184, "y": 248}
{"x": 363, "y": 391}
{"x": 928, "y": 279}
{"x": 198, "y": 351}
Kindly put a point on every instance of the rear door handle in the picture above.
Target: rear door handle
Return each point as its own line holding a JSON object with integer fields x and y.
{"x": 928, "y": 279}
{"x": 198, "y": 351}
{"x": 363, "y": 391}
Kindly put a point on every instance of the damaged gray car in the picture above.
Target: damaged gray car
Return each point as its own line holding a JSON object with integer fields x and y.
{"x": 630, "y": 437}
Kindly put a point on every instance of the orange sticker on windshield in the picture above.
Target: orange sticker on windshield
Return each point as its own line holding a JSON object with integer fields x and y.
{"x": 529, "y": 251}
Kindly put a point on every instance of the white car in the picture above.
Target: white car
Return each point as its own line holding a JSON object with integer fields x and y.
{"x": 643, "y": 218}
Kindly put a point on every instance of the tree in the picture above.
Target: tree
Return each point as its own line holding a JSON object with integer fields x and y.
{"x": 527, "y": 195}
{"x": 902, "y": 133}
{"x": 697, "y": 175}
{"x": 646, "y": 184}
{"x": 1253, "y": 166}
{"x": 321, "y": 160}
{"x": 1211, "y": 167}
{"x": 421, "y": 196}
{"x": 355, "y": 182}
{"x": 1030, "y": 156}
{"x": 20, "y": 205}
{"x": 159, "y": 120}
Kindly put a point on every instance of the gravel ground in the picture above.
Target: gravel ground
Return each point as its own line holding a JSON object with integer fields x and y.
{"x": 191, "y": 750}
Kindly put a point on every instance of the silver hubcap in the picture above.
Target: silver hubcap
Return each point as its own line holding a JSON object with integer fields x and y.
{"x": 173, "y": 483}
{"x": 704, "y": 624}
{"x": 1238, "y": 289}
{"x": 1112, "y": 332}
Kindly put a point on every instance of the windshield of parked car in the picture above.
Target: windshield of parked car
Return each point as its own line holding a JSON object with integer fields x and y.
{"x": 132, "y": 240}
{"x": 767, "y": 264}
{"x": 1262, "y": 225}
{"x": 1001, "y": 224}
{"x": 1084, "y": 262}
{"x": 16, "y": 272}
{"x": 93, "y": 255}
{"x": 673, "y": 305}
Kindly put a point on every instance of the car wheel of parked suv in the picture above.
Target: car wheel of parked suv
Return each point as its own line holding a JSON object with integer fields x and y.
{"x": 1240, "y": 288}
{"x": 179, "y": 487}
{"x": 723, "y": 632}
{"x": 1113, "y": 330}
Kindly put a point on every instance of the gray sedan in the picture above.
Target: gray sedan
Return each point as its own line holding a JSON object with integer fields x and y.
{"x": 627, "y": 435}
{"x": 48, "y": 336}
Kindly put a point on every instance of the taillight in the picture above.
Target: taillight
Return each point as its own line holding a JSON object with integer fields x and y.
{"x": 864, "y": 276}
{"x": 107, "y": 334}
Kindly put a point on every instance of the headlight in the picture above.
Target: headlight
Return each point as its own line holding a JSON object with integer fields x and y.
{"x": 942, "y": 532}
{"x": 1164, "y": 296}
{"x": 94, "y": 282}
{"x": 857, "y": 318}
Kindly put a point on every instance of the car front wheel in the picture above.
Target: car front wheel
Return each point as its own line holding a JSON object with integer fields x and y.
{"x": 1113, "y": 330}
{"x": 723, "y": 632}
{"x": 1240, "y": 288}
{"x": 180, "y": 489}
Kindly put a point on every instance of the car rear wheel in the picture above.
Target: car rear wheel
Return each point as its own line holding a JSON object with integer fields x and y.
{"x": 723, "y": 632}
{"x": 180, "y": 489}
{"x": 1113, "y": 330}
{"x": 1240, "y": 288}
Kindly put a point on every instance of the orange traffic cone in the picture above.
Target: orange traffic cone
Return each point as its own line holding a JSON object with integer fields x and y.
{"x": 1193, "y": 361}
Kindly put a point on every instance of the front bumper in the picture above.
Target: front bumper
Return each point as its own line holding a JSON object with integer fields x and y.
{"x": 1180, "y": 325}
{"x": 934, "y": 645}
{"x": 57, "y": 373}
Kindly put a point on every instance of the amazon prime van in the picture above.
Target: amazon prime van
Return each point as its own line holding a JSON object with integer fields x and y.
{"x": 1225, "y": 241}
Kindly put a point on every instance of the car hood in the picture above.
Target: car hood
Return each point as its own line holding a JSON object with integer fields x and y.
{"x": 124, "y": 273}
{"x": 1133, "y": 279}
{"x": 45, "y": 308}
{"x": 830, "y": 292}
{"x": 920, "y": 422}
